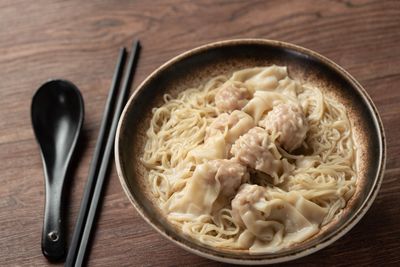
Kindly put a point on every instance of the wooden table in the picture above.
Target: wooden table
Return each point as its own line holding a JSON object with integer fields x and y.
{"x": 79, "y": 41}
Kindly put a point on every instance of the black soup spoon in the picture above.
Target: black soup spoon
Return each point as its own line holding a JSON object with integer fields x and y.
{"x": 57, "y": 117}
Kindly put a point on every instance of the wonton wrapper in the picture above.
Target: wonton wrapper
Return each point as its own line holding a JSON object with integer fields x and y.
{"x": 209, "y": 189}
{"x": 257, "y": 150}
{"x": 274, "y": 220}
{"x": 230, "y": 125}
{"x": 288, "y": 123}
{"x": 232, "y": 95}
{"x": 261, "y": 78}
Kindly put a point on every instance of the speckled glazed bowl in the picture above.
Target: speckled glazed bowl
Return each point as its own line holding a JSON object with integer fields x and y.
{"x": 198, "y": 65}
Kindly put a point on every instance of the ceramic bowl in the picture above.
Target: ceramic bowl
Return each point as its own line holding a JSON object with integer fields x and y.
{"x": 198, "y": 65}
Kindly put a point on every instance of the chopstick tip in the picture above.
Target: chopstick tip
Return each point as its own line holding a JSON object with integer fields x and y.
{"x": 135, "y": 44}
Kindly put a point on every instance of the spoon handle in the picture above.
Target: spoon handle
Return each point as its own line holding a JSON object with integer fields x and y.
{"x": 53, "y": 236}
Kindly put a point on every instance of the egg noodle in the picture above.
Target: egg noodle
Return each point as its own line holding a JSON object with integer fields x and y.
{"x": 313, "y": 185}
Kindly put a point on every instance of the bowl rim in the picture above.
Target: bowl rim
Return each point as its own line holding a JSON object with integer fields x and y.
{"x": 341, "y": 231}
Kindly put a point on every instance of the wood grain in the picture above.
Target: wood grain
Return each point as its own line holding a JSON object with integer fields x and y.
{"x": 79, "y": 41}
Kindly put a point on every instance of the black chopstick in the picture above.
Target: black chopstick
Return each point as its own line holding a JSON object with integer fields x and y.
{"x": 107, "y": 153}
{"x": 94, "y": 166}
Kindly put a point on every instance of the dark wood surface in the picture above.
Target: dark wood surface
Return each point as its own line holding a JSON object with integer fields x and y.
{"x": 79, "y": 41}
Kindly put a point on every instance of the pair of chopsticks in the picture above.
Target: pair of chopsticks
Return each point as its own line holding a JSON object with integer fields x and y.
{"x": 101, "y": 157}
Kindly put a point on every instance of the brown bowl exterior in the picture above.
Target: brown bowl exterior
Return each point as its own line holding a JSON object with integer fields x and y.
{"x": 194, "y": 68}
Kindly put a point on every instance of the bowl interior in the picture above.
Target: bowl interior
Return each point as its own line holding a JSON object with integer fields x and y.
{"x": 199, "y": 65}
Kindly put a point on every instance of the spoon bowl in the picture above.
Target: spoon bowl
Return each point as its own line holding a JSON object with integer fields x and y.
{"x": 57, "y": 117}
